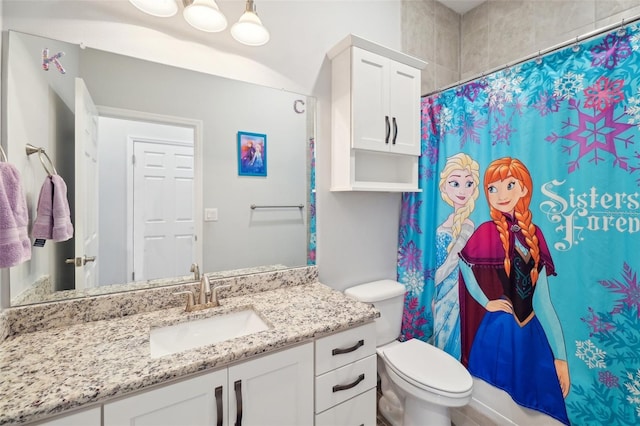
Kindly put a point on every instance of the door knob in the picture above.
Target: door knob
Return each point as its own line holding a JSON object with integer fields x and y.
{"x": 80, "y": 261}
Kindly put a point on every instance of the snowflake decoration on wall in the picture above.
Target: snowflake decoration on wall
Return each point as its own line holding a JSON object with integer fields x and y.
{"x": 590, "y": 354}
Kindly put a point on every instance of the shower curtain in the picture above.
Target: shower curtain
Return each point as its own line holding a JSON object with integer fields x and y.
{"x": 521, "y": 254}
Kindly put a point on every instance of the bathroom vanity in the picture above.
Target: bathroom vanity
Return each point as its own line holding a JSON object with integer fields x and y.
{"x": 315, "y": 363}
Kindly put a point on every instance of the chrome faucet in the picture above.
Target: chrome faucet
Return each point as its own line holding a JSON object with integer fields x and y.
{"x": 206, "y": 298}
{"x": 196, "y": 271}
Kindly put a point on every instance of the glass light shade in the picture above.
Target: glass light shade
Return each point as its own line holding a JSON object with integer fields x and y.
{"x": 205, "y": 16}
{"x": 249, "y": 30}
{"x": 160, "y": 8}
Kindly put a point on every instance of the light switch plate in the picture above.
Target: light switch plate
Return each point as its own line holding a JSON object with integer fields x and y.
{"x": 210, "y": 215}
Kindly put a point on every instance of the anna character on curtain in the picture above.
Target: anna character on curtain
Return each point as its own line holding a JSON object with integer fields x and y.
{"x": 459, "y": 182}
{"x": 512, "y": 337}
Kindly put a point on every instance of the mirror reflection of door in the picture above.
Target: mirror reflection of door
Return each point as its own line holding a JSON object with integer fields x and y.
{"x": 86, "y": 202}
{"x": 163, "y": 222}
{"x": 147, "y": 204}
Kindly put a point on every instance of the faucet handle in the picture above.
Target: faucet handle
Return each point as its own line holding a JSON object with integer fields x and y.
{"x": 214, "y": 294}
{"x": 190, "y": 299}
{"x": 205, "y": 290}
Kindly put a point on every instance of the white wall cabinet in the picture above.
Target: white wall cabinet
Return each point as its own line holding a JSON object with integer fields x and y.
{"x": 275, "y": 389}
{"x": 375, "y": 140}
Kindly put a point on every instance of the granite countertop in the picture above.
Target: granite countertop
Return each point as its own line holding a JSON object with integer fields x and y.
{"x": 47, "y": 372}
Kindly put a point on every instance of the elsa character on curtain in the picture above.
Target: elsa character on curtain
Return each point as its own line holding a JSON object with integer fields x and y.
{"x": 459, "y": 182}
{"x": 511, "y": 334}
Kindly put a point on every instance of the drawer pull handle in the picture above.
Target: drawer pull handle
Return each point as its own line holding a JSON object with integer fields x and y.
{"x": 338, "y": 351}
{"x": 218, "y": 392}
{"x": 338, "y": 388}
{"x": 238, "y": 388}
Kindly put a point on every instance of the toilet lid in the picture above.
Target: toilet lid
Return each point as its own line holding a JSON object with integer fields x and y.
{"x": 428, "y": 367}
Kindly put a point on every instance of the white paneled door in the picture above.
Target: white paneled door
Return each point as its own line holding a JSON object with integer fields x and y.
{"x": 86, "y": 182}
{"x": 163, "y": 209}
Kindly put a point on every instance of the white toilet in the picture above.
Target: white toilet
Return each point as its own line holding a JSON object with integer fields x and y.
{"x": 419, "y": 381}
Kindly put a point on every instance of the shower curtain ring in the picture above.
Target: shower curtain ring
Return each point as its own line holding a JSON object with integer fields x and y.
{"x": 622, "y": 31}
{"x": 539, "y": 58}
{"x": 576, "y": 46}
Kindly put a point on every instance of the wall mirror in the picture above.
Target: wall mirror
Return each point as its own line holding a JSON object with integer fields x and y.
{"x": 164, "y": 167}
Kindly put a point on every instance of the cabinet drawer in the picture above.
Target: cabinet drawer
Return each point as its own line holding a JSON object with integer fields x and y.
{"x": 347, "y": 346}
{"x": 338, "y": 385}
{"x": 360, "y": 410}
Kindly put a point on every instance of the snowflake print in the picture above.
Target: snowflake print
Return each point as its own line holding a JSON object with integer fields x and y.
{"x": 604, "y": 93}
{"x": 503, "y": 90}
{"x": 608, "y": 379}
{"x": 468, "y": 128}
{"x": 501, "y": 133}
{"x": 633, "y": 109}
{"x": 409, "y": 216}
{"x": 611, "y": 51}
{"x": 594, "y": 135}
{"x": 568, "y": 85}
{"x": 446, "y": 118}
{"x": 409, "y": 256}
{"x": 628, "y": 288}
{"x": 413, "y": 281}
{"x": 633, "y": 390}
{"x": 635, "y": 38}
{"x": 547, "y": 104}
{"x": 590, "y": 354}
{"x": 596, "y": 323}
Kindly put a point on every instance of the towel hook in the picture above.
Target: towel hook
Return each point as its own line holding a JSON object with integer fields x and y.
{"x": 3, "y": 155}
{"x": 50, "y": 169}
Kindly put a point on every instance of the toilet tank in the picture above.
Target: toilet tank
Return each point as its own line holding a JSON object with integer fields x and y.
{"x": 387, "y": 296}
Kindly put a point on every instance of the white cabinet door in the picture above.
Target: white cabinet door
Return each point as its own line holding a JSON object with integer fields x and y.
{"x": 404, "y": 108}
{"x": 275, "y": 389}
{"x": 370, "y": 101}
{"x": 90, "y": 417}
{"x": 193, "y": 402}
{"x": 385, "y": 104}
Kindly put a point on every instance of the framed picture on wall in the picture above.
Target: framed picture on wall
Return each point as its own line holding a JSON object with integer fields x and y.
{"x": 252, "y": 154}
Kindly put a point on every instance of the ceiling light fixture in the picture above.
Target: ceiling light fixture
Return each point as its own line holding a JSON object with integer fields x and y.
{"x": 159, "y": 8}
{"x": 205, "y": 15}
{"x": 249, "y": 29}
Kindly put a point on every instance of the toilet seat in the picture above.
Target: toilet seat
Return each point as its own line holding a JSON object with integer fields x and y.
{"x": 429, "y": 368}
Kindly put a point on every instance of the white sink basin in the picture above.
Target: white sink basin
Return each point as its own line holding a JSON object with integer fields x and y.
{"x": 194, "y": 334}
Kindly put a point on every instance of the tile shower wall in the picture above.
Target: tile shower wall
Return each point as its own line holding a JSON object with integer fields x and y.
{"x": 497, "y": 32}
{"x": 431, "y": 32}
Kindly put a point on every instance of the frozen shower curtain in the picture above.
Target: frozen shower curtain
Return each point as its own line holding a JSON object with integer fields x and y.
{"x": 521, "y": 254}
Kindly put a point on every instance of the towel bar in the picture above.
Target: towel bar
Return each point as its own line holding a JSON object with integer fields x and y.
{"x": 33, "y": 149}
{"x": 296, "y": 206}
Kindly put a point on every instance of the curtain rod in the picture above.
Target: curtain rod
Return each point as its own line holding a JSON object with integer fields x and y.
{"x": 541, "y": 53}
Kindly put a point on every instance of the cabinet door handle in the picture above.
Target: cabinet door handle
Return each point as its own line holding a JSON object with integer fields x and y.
{"x": 238, "y": 388}
{"x": 338, "y": 351}
{"x": 395, "y": 130}
{"x": 387, "y": 129}
{"x": 338, "y": 388}
{"x": 218, "y": 393}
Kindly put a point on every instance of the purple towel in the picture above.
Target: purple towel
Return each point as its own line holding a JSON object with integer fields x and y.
{"x": 15, "y": 246}
{"x": 53, "y": 220}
